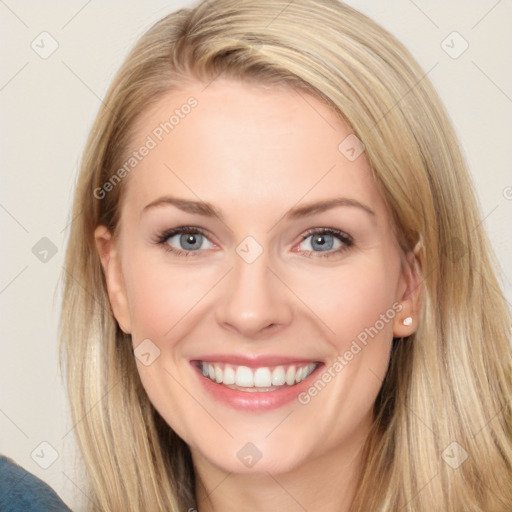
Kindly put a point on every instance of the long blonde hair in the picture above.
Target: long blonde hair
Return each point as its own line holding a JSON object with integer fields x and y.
{"x": 447, "y": 392}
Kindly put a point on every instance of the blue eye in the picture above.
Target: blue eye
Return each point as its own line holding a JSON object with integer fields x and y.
{"x": 190, "y": 240}
{"x": 323, "y": 241}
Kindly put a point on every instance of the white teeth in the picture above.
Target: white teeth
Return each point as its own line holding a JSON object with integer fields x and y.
{"x": 229, "y": 375}
{"x": 290, "y": 376}
{"x": 244, "y": 377}
{"x": 263, "y": 377}
{"x": 278, "y": 376}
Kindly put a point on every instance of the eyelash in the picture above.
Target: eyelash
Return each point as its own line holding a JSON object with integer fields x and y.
{"x": 340, "y": 235}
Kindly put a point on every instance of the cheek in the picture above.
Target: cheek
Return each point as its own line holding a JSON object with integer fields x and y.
{"x": 160, "y": 295}
{"x": 162, "y": 300}
{"x": 348, "y": 299}
{"x": 353, "y": 299}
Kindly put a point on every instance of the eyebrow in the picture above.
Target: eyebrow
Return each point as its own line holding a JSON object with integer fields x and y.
{"x": 208, "y": 210}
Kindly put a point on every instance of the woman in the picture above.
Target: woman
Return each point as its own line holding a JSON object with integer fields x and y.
{"x": 278, "y": 293}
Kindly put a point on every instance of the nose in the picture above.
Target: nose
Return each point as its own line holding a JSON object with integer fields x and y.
{"x": 254, "y": 299}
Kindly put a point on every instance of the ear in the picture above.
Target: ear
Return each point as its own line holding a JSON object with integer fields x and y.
{"x": 110, "y": 261}
{"x": 410, "y": 295}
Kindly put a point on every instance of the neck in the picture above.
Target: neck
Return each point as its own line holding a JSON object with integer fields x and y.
{"x": 326, "y": 483}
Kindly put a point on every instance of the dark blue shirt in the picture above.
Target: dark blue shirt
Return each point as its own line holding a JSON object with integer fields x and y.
{"x": 21, "y": 491}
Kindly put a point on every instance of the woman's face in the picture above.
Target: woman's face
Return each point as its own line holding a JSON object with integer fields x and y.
{"x": 282, "y": 262}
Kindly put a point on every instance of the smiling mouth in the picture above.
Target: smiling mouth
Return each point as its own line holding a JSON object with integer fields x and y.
{"x": 261, "y": 379}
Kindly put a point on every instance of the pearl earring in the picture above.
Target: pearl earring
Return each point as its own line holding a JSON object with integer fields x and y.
{"x": 407, "y": 321}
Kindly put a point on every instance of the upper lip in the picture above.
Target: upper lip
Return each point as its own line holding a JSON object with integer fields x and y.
{"x": 255, "y": 361}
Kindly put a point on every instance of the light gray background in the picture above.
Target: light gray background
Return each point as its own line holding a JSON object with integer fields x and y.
{"x": 48, "y": 105}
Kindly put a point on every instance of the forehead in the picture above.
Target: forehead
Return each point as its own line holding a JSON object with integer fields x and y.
{"x": 246, "y": 146}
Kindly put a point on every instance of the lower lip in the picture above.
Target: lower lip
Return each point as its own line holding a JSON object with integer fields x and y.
{"x": 254, "y": 400}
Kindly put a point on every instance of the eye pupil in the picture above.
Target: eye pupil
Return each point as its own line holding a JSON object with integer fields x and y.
{"x": 322, "y": 244}
{"x": 190, "y": 239}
